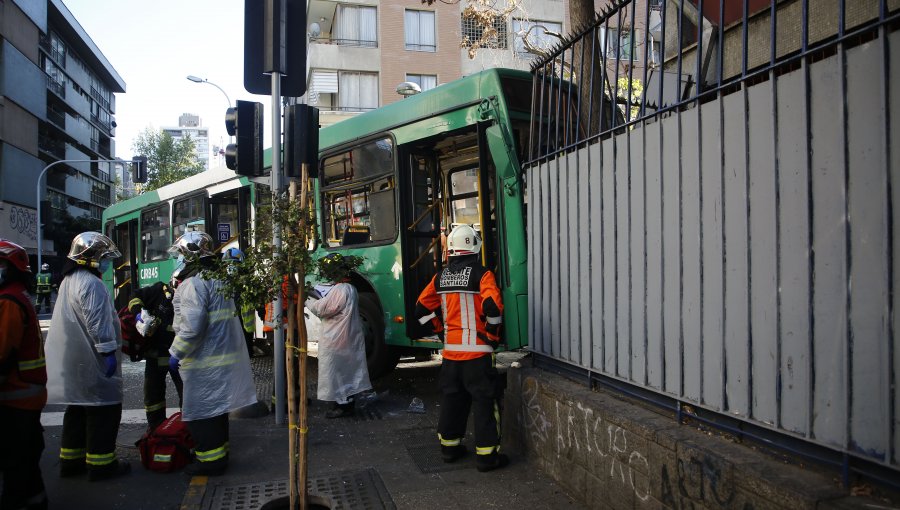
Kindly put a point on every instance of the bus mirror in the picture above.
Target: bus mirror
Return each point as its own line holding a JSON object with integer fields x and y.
{"x": 301, "y": 135}
{"x": 245, "y": 123}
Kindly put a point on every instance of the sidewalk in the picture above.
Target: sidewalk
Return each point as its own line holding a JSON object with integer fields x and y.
{"x": 384, "y": 457}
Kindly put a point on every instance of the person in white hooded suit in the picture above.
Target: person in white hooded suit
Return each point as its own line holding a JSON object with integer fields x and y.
{"x": 209, "y": 352}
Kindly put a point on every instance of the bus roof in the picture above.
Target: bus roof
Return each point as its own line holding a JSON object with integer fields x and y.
{"x": 193, "y": 183}
{"x": 446, "y": 96}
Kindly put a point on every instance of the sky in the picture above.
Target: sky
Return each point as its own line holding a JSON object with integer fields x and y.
{"x": 154, "y": 46}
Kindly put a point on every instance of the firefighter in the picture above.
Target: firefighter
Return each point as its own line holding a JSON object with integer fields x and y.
{"x": 152, "y": 308}
{"x": 342, "y": 349}
{"x": 233, "y": 257}
{"x": 210, "y": 353}
{"x": 44, "y": 288}
{"x": 23, "y": 379}
{"x": 466, "y": 294}
{"x": 84, "y": 362}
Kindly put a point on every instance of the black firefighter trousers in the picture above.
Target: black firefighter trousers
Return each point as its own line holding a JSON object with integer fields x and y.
{"x": 89, "y": 438}
{"x": 470, "y": 384}
{"x": 21, "y": 444}
{"x": 156, "y": 367}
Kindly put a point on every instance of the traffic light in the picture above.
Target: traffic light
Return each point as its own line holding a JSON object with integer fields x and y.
{"x": 275, "y": 41}
{"x": 139, "y": 169}
{"x": 301, "y": 139}
{"x": 245, "y": 123}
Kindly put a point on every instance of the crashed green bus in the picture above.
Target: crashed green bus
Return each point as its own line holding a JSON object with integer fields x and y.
{"x": 387, "y": 184}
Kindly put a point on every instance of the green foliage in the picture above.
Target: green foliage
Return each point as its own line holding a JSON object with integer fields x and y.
{"x": 336, "y": 267}
{"x": 168, "y": 160}
{"x": 260, "y": 275}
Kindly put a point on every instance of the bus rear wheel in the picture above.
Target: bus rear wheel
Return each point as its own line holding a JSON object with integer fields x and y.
{"x": 380, "y": 357}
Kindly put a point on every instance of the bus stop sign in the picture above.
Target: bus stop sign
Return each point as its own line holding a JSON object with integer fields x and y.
{"x": 275, "y": 41}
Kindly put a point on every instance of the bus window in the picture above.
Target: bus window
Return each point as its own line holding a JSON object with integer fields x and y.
{"x": 464, "y": 197}
{"x": 155, "y": 233}
{"x": 188, "y": 211}
{"x": 358, "y": 196}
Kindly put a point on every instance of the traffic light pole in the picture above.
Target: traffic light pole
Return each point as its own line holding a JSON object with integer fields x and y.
{"x": 37, "y": 202}
{"x": 276, "y": 251}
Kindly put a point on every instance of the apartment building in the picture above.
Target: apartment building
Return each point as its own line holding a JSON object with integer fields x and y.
{"x": 56, "y": 103}
{"x": 190, "y": 125}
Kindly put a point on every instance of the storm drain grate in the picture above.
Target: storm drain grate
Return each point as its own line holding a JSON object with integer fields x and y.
{"x": 346, "y": 490}
{"x": 428, "y": 458}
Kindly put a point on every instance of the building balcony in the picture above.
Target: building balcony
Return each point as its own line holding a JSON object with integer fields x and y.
{"x": 336, "y": 56}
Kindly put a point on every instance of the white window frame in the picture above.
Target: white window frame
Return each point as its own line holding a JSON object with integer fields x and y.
{"x": 419, "y": 30}
{"x": 424, "y": 81}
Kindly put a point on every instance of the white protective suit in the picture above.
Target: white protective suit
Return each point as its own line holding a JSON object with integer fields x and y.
{"x": 210, "y": 343}
{"x": 84, "y": 324}
{"x": 342, "y": 347}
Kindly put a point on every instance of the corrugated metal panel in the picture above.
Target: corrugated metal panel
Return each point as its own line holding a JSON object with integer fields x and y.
{"x": 608, "y": 263}
{"x": 761, "y": 247}
{"x": 869, "y": 268}
{"x": 596, "y": 274}
{"x": 637, "y": 361}
{"x": 691, "y": 202}
{"x": 671, "y": 249}
{"x": 621, "y": 174}
{"x": 892, "y": 83}
{"x": 585, "y": 254}
{"x": 713, "y": 263}
{"x": 654, "y": 339}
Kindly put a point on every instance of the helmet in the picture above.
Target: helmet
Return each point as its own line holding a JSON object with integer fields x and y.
{"x": 15, "y": 255}
{"x": 45, "y": 267}
{"x": 335, "y": 267}
{"x": 193, "y": 245}
{"x": 233, "y": 255}
{"x": 463, "y": 240}
{"x": 90, "y": 247}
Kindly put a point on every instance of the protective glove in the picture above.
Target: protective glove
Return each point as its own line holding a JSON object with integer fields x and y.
{"x": 174, "y": 364}
{"x": 146, "y": 323}
{"x": 109, "y": 359}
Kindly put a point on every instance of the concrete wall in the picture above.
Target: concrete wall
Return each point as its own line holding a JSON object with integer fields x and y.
{"x": 609, "y": 453}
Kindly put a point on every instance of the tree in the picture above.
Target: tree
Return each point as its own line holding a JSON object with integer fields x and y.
{"x": 168, "y": 160}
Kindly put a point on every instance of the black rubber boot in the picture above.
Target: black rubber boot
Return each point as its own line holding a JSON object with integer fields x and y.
{"x": 453, "y": 453}
{"x": 491, "y": 462}
{"x": 113, "y": 470}
{"x": 340, "y": 410}
{"x": 211, "y": 468}
{"x": 71, "y": 468}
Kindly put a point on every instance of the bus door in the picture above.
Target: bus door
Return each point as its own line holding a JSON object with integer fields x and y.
{"x": 229, "y": 218}
{"x": 124, "y": 275}
{"x": 450, "y": 181}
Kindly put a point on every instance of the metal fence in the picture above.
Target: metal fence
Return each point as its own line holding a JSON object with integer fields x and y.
{"x": 711, "y": 215}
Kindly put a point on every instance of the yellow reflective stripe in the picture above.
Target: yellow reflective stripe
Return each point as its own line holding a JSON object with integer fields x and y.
{"x": 31, "y": 364}
{"x": 222, "y": 314}
{"x": 71, "y": 453}
{"x": 468, "y": 347}
{"x": 159, "y": 457}
{"x": 135, "y": 301}
{"x": 100, "y": 459}
{"x": 448, "y": 442}
{"x": 212, "y": 361}
{"x": 485, "y": 450}
{"x": 30, "y": 391}
{"x": 155, "y": 407}
{"x": 180, "y": 346}
{"x": 211, "y": 455}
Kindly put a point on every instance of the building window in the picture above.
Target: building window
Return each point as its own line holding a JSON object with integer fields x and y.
{"x": 155, "y": 233}
{"x": 535, "y": 32}
{"x": 475, "y": 33}
{"x": 356, "y": 26}
{"x": 424, "y": 81}
{"x": 616, "y": 43}
{"x": 357, "y": 91}
{"x": 57, "y": 49}
{"x": 419, "y": 30}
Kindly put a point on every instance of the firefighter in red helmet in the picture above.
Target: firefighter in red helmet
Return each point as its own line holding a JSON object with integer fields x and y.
{"x": 23, "y": 379}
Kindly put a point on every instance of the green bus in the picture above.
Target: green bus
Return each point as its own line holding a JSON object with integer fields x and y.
{"x": 389, "y": 182}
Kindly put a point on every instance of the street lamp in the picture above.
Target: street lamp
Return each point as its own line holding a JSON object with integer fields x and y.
{"x": 38, "y": 192}
{"x": 197, "y": 79}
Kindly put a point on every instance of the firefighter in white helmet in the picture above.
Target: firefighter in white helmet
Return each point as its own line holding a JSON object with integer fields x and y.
{"x": 466, "y": 294}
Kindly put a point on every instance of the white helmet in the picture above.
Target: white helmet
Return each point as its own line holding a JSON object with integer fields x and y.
{"x": 45, "y": 267}
{"x": 193, "y": 245}
{"x": 463, "y": 240}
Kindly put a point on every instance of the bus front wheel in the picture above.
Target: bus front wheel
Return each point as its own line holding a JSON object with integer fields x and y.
{"x": 380, "y": 357}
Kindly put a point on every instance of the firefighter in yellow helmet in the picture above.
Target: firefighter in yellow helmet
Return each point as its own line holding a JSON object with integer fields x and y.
{"x": 464, "y": 302}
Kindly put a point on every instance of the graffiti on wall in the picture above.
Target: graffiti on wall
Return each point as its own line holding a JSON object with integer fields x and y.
{"x": 576, "y": 427}
{"x": 18, "y": 224}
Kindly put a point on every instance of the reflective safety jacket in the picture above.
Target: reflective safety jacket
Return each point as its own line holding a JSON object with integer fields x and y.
{"x": 470, "y": 305}
{"x": 43, "y": 283}
{"x": 23, "y": 371}
{"x": 157, "y": 301}
{"x": 215, "y": 365}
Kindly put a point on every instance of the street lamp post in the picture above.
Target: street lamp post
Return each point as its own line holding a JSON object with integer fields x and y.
{"x": 38, "y": 195}
{"x": 197, "y": 79}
